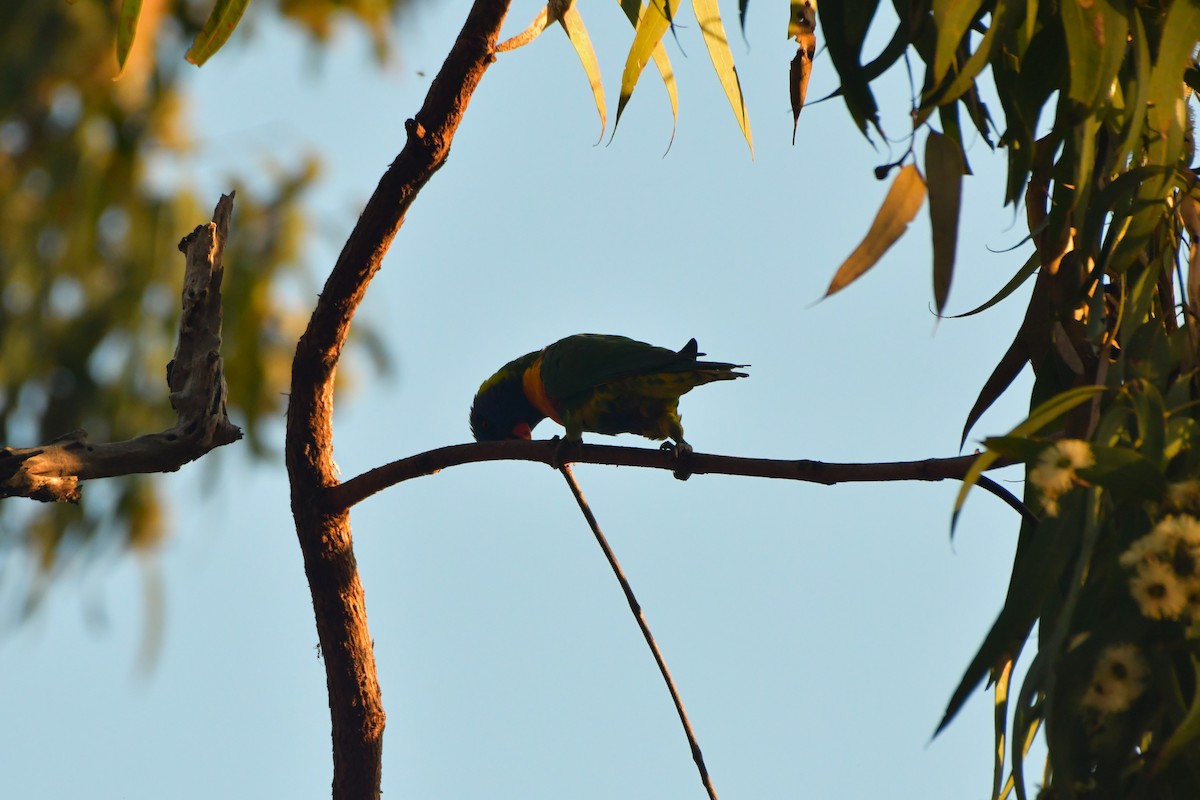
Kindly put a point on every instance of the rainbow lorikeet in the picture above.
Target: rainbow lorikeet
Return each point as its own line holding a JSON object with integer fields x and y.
{"x": 597, "y": 383}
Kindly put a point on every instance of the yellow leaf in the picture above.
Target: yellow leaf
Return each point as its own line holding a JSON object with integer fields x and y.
{"x": 717, "y": 43}
{"x": 127, "y": 24}
{"x": 634, "y": 11}
{"x": 803, "y": 17}
{"x": 903, "y": 200}
{"x": 573, "y": 24}
{"x": 652, "y": 25}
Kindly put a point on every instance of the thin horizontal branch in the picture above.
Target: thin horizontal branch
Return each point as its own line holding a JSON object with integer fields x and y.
{"x": 358, "y": 488}
{"x": 195, "y": 379}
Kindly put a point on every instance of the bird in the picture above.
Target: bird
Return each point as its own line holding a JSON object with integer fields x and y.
{"x": 597, "y": 383}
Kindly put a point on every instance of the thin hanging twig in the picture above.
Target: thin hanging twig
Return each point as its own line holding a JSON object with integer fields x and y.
{"x": 636, "y": 608}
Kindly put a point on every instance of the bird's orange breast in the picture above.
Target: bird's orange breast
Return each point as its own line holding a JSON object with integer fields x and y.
{"x": 535, "y": 390}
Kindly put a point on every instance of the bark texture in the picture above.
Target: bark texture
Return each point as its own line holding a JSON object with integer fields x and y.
{"x": 325, "y": 537}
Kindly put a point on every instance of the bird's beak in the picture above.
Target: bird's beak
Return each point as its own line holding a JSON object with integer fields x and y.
{"x": 522, "y": 431}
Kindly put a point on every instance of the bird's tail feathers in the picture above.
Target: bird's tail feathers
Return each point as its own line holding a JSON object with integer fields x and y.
{"x": 719, "y": 371}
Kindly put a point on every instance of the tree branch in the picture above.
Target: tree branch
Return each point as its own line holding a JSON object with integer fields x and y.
{"x": 195, "y": 379}
{"x": 636, "y": 608}
{"x": 343, "y": 496}
{"x": 325, "y": 538}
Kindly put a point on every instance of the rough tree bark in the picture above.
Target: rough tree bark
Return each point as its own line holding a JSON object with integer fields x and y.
{"x": 325, "y": 538}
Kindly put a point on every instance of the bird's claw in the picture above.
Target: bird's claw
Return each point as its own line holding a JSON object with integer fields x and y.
{"x": 559, "y": 459}
{"x": 681, "y": 450}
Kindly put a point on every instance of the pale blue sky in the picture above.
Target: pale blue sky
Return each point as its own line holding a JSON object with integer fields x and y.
{"x": 816, "y": 633}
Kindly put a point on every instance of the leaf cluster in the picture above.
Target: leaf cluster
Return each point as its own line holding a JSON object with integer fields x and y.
{"x": 651, "y": 22}
{"x": 1071, "y": 578}
{"x": 89, "y": 268}
{"x": 1095, "y": 118}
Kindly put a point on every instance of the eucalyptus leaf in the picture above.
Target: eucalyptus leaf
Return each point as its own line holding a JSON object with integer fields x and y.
{"x": 1038, "y": 419}
{"x": 127, "y": 23}
{"x": 713, "y": 30}
{"x": 901, "y": 204}
{"x": 944, "y": 169}
{"x": 572, "y": 23}
{"x": 217, "y": 29}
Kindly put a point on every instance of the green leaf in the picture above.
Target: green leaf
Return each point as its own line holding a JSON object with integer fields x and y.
{"x": 965, "y": 79}
{"x": 1019, "y": 448}
{"x": 1084, "y": 151}
{"x": 944, "y": 169}
{"x": 1126, "y": 473}
{"x": 216, "y": 31}
{"x": 709, "y": 18}
{"x": 1137, "y": 306}
{"x": 845, "y": 24}
{"x": 1147, "y": 354}
{"x": 1151, "y": 414}
{"x": 1042, "y": 557}
{"x": 1181, "y": 433}
{"x": 952, "y": 127}
{"x": 1005, "y": 372}
{"x": 1026, "y": 32}
{"x": 572, "y": 23}
{"x": 652, "y": 25}
{"x": 1055, "y": 407}
{"x": 977, "y": 110}
{"x": 952, "y": 19}
{"x": 1056, "y": 614}
{"x": 1038, "y": 419}
{"x": 1187, "y": 732}
{"x": 127, "y": 24}
{"x": 1119, "y": 194}
{"x": 1024, "y": 88}
{"x": 903, "y": 200}
{"x": 1027, "y": 269}
{"x": 1175, "y": 51}
{"x": 1096, "y": 32}
{"x": 1166, "y": 120}
{"x": 896, "y": 47}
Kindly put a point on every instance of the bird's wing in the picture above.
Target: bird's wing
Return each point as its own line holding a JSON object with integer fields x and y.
{"x": 582, "y": 362}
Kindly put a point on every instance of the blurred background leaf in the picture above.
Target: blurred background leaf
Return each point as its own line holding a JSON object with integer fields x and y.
{"x": 90, "y": 215}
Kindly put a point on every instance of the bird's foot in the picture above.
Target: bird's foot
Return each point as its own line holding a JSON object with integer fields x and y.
{"x": 559, "y": 459}
{"x": 682, "y": 451}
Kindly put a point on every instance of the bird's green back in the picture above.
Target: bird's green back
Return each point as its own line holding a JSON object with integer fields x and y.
{"x": 580, "y": 363}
